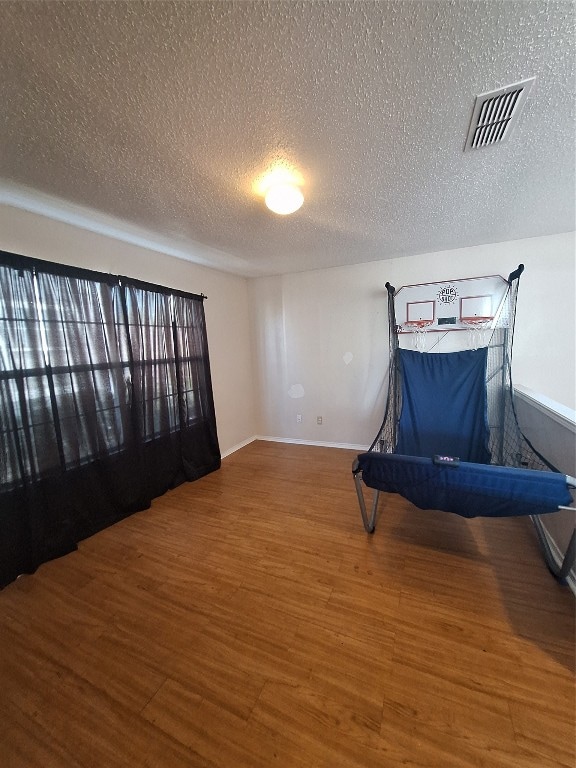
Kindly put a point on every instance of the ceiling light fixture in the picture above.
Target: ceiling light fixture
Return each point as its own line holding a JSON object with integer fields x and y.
{"x": 283, "y": 198}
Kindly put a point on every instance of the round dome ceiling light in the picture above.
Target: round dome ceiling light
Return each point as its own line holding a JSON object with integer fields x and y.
{"x": 283, "y": 198}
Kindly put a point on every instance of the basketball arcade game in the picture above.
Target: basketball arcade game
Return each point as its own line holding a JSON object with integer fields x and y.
{"x": 450, "y": 439}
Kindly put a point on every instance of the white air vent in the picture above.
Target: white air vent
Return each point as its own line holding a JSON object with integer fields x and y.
{"x": 495, "y": 114}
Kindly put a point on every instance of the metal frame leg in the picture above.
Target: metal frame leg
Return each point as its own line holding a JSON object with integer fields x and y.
{"x": 368, "y": 520}
{"x": 560, "y": 572}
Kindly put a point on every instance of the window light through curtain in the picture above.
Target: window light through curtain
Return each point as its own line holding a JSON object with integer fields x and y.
{"x": 105, "y": 402}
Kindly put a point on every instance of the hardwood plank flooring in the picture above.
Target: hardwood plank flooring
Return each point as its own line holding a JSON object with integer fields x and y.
{"x": 247, "y": 621}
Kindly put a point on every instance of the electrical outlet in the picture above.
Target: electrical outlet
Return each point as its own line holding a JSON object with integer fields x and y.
{"x": 298, "y": 418}
{"x": 319, "y": 420}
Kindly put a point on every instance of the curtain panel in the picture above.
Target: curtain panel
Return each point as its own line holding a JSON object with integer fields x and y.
{"x": 105, "y": 403}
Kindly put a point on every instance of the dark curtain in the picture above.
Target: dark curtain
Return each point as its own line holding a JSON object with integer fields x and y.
{"x": 105, "y": 403}
{"x": 171, "y": 386}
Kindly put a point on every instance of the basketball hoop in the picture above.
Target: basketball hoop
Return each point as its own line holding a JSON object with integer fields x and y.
{"x": 477, "y": 327}
{"x": 418, "y": 329}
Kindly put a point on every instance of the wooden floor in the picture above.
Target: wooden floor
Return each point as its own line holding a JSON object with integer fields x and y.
{"x": 248, "y": 621}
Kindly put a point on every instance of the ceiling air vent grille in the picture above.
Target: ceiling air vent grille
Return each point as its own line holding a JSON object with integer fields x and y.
{"x": 496, "y": 113}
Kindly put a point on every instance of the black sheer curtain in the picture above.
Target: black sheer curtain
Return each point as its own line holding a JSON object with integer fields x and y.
{"x": 171, "y": 385}
{"x": 105, "y": 402}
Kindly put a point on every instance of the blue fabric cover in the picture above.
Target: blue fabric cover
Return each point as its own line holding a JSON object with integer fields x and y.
{"x": 444, "y": 405}
{"x": 469, "y": 490}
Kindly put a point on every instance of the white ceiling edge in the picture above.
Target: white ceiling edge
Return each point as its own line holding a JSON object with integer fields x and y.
{"x": 57, "y": 209}
{"x": 54, "y": 208}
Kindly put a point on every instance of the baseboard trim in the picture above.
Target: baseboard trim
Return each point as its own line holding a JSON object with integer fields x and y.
{"x": 319, "y": 443}
{"x": 237, "y": 447}
{"x": 269, "y": 439}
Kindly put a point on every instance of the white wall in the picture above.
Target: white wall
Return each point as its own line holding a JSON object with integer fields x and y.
{"x": 305, "y": 323}
{"x": 227, "y": 309}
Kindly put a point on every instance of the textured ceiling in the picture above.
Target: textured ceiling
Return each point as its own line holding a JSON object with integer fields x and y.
{"x": 153, "y": 120}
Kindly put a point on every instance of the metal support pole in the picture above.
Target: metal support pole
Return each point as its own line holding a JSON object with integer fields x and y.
{"x": 369, "y": 520}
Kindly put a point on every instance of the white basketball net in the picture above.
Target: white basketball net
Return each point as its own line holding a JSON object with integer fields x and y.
{"x": 478, "y": 331}
{"x": 418, "y": 329}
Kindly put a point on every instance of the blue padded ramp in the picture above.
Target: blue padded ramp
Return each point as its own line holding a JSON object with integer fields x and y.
{"x": 469, "y": 489}
{"x": 444, "y": 405}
